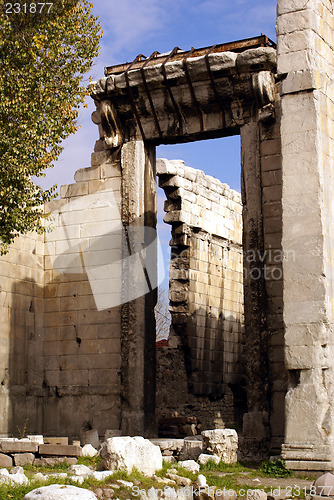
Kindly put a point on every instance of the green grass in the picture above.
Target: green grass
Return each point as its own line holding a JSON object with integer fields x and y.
{"x": 93, "y": 462}
{"x": 274, "y": 469}
{"x": 222, "y": 467}
{"x": 59, "y": 467}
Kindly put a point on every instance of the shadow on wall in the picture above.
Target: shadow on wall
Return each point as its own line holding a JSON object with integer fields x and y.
{"x": 200, "y": 376}
{"x": 64, "y": 364}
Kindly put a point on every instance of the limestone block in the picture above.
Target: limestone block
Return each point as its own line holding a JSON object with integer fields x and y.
{"x": 60, "y": 492}
{"x": 284, "y": 6}
{"x": 69, "y": 450}
{"x": 192, "y": 448}
{"x": 204, "y": 459}
{"x": 174, "y": 445}
{"x": 89, "y": 451}
{"x": 23, "y": 458}
{"x": 91, "y": 437}
{"x": 189, "y": 465}
{"x": 5, "y": 460}
{"x": 256, "y": 495}
{"x": 223, "y": 443}
{"x": 262, "y": 57}
{"x": 126, "y": 452}
{"x": 20, "y": 446}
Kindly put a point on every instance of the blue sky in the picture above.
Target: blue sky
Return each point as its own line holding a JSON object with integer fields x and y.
{"x": 132, "y": 27}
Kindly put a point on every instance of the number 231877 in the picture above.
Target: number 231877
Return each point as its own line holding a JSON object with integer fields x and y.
{"x": 32, "y": 8}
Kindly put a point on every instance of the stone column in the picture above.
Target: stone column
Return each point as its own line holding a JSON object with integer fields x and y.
{"x": 305, "y": 65}
{"x": 138, "y": 322}
{"x": 256, "y": 336}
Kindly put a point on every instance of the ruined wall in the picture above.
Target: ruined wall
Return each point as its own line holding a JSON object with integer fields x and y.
{"x": 82, "y": 314}
{"x": 206, "y": 279}
{"x": 305, "y": 66}
{"x": 180, "y": 413}
{"x": 60, "y": 324}
{"x": 21, "y": 313}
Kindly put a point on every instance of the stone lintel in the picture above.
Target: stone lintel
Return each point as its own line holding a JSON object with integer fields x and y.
{"x": 202, "y": 98}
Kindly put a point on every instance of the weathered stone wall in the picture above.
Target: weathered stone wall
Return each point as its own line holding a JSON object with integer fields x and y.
{"x": 305, "y": 65}
{"x": 206, "y": 278}
{"x": 82, "y": 312}
{"x": 21, "y": 313}
{"x": 60, "y": 363}
{"x": 180, "y": 413}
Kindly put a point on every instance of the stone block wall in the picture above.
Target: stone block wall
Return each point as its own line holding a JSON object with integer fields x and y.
{"x": 305, "y": 33}
{"x": 21, "y": 313}
{"x": 206, "y": 276}
{"x": 82, "y": 289}
{"x": 61, "y": 312}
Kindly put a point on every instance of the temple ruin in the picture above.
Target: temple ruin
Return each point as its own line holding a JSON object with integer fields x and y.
{"x": 251, "y": 287}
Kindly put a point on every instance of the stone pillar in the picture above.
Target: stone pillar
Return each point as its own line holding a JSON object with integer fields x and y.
{"x": 305, "y": 65}
{"x": 256, "y": 338}
{"x": 138, "y": 322}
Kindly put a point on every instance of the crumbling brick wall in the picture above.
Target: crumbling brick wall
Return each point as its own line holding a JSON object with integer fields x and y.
{"x": 206, "y": 276}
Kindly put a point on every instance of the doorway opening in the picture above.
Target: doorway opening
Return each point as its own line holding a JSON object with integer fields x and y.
{"x": 199, "y": 370}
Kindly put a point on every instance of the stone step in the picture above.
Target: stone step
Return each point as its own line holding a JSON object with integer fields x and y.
{"x": 18, "y": 447}
{"x": 60, "y": 450}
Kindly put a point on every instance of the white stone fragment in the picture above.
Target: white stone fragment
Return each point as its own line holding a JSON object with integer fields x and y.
{"x": 80, "y": 470}
{"x": 223, "y": 443}
{"x": 60, "y": 492}
{"x": 126, "y": 484}
{"x": 128, "y": 452}
{"x": 89, "y": 451}
{"x": 204, "y": 459}
{"x": 78, "y": 479}
{"x": 15, "y": 477}
{"x": 201, "y": 481}
{"x": 101, "y": 475}
{"x": 256, "y": 495}
{"x": 190, "y": 465}
{"x": 36, "y": 438}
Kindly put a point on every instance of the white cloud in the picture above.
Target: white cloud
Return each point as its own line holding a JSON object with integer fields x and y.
{"x": 127, "y": 23}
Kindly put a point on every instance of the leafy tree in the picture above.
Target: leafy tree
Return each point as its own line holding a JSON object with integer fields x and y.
{"x": 44, "y": 54}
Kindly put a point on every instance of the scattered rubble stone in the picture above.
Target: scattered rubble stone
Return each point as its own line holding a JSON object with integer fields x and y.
{"x": 80, "y": 470}
{"x": 23, "y": 458}
{"x": 60, "y": 492}
{"x": 5, "y": 460}
{"x": 201, "y": 480}
{"x": 91, "y": 437}
{"x": 204, "y": 459}
{"x": 223, "y": 443}
{"x": 128, "y": 452}
{"x": 190, "y": 465}
{"x": 89, "y": 451}
{"x": 256, "y": 494}
{"x": 192, "y": 448}
{"x": 324, "y": 485}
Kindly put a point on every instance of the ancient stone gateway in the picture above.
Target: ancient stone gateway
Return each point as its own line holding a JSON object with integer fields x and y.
{"x": 79, "y": 353}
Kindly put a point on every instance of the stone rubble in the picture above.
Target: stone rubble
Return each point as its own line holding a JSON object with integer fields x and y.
{"x": 223, "y": 443}
{"x": 60, "y": 492}
{"x": 89, "y": 451}
{"x": 128, "y": 452}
